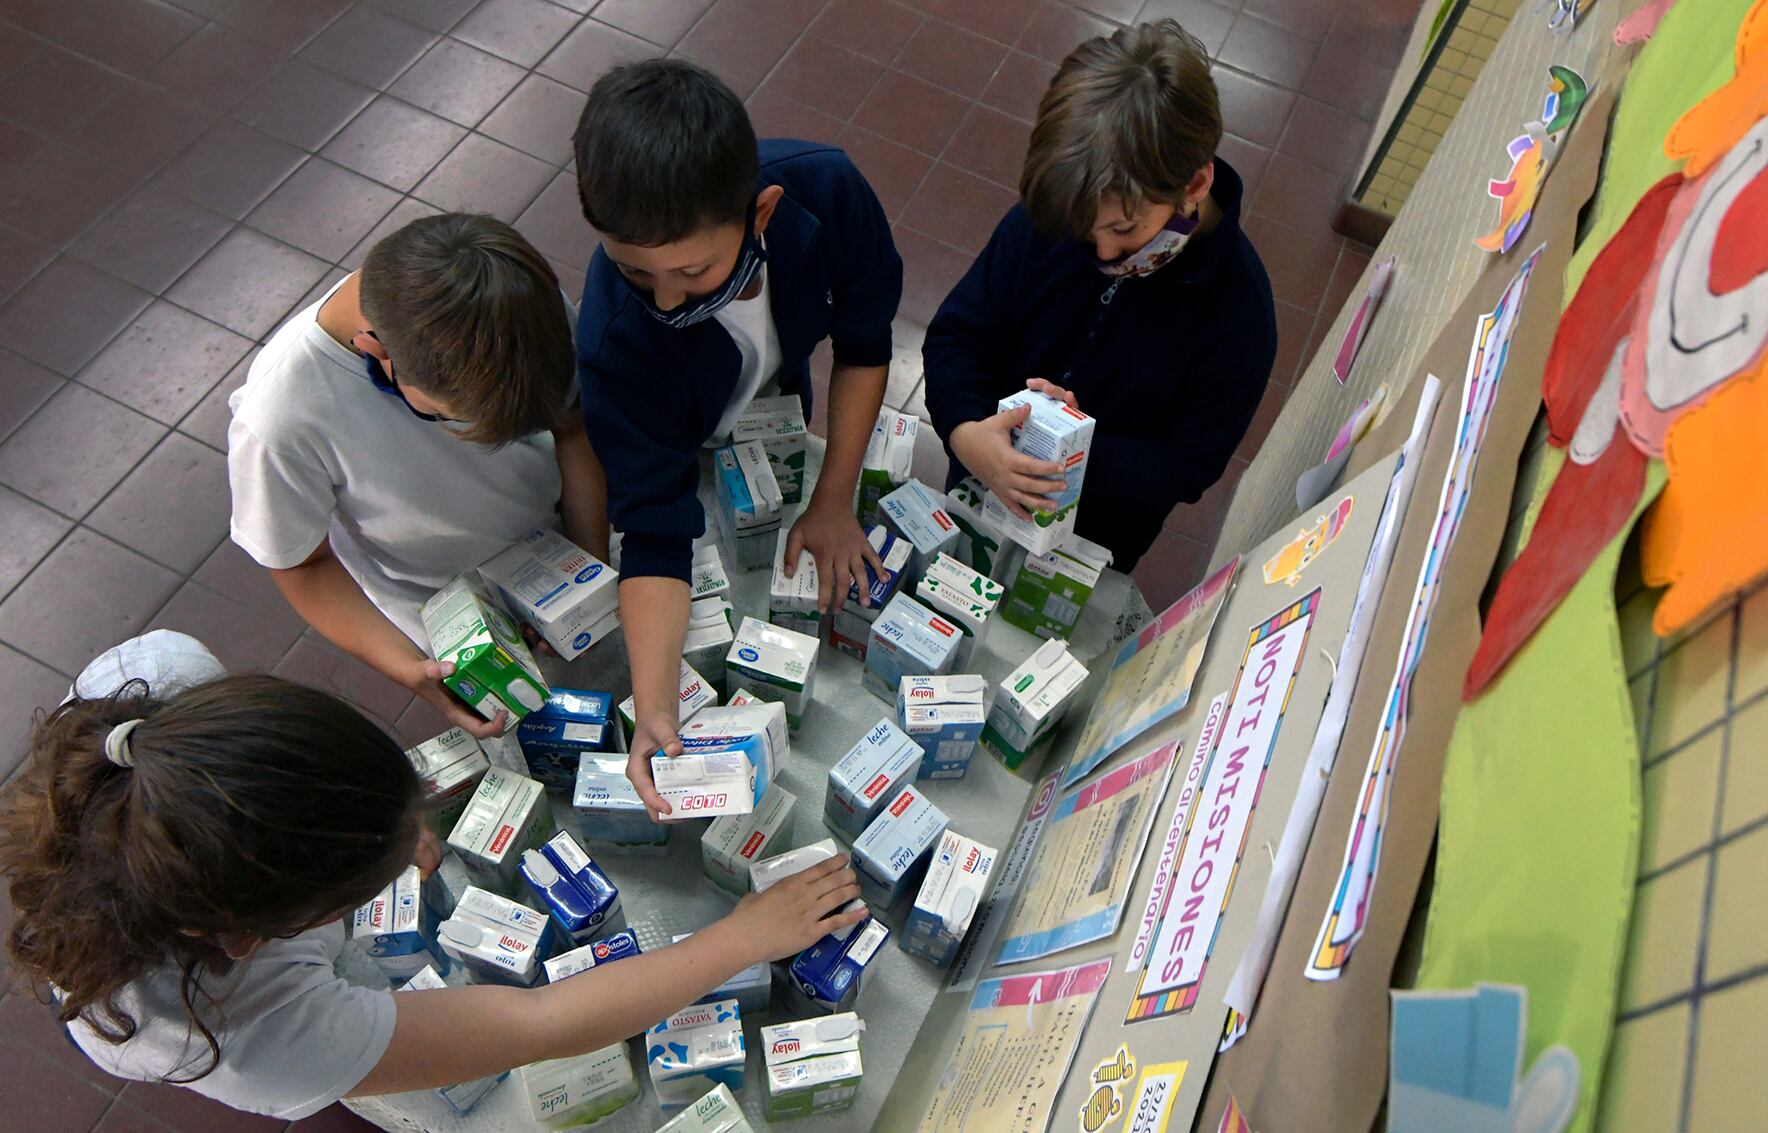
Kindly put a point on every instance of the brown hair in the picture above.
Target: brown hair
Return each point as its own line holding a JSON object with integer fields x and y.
{"x": 254, "y": 807}
{"x": 471, "y": 315}
{"x": 1132, "y": 115}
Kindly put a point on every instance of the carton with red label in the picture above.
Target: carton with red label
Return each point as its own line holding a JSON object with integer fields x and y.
{"x": 1062, "y": 435}
{"x": 506, "y": 815}
{"x": 917, "y": 514}
{"x": 868, "y": 777}
{"x": 957, "y": 882}
{"x": 908, "y": 639}
{"x": 734, "y": 842}
{"x": 891, "y": 856}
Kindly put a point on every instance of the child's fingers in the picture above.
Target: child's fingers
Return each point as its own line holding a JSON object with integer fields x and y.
{"x": 794, "y": 545}
{"x": 843, "y": 918}
{"x": 1031, "y": 466}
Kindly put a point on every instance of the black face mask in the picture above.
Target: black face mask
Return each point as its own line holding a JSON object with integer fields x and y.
{"x": 384, "y": 382}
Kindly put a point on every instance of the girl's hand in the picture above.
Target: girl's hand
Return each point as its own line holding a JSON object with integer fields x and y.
{"x": 428, "y": 855}
{"x": 423, "y": 676}
{"x": 654, "y": 734}
{"x": 799, "y": 911}
{"x": 1051, "y": 389}
{"x": 1023, "y": 483}
{"x": 838, "y": 543}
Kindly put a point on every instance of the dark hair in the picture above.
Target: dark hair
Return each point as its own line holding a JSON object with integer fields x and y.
{"x": 1133, "y": 115}
{"x": 663, "y": 150}
{"x": 471, "y": 314}
{"x": 254, "y": 806}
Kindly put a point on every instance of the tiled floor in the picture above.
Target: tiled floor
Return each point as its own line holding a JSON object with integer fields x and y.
{"x": 176, "y": 177}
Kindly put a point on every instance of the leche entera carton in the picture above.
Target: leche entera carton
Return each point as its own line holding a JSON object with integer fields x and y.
{"x": 695, "y": 1049}
{"x": 398, "y": 927}
{"x": 496, "y": 939}
{"x": 774, "y": 664}
{"x": 749, "y": 503}
{"x": 450, "y": 766}
{"x": 778, "y": 424}
{"x": 1054, "y": 432}
{"x": 609, "y": 810}
{"x": 506, "y": 815}
{"x": 706, "y": 577}
{"x": 571, "y": 1093}
{"x": 813, "y": 1065}
{"x": 826, "y": 976}
{"x": 493, "y": 669}
{"x": 792, "y": 602}
{"x": 583, "y": 900}
{"x": 980, "y": 537}
{"x": 709, "y": 636}
{"x": 566, "y": 594}
{"x": 713, "y": 776}
{"x": 463, "y": 1097}
{"x": 890, "y": 453}
{"x": 957, "y": 880}
{"x": 615, "y": 946}
{"x": 717, "y": 1112}
{"x": 965, "y": 597}
{"x": 1051, "y": 590}
{"x": 908, "y": 639}
{"x": 850, "y": 630}
{"x": 752, "y": 987}
{"x": 917, "y": 514}
{"x": 868, "y": 777}
{"x": 944, "y": 715}
{"x": 893, "y": 852}
{"x": 571, "y": 724}
{"x": 1032, "y": 701}
{"x": 734, "y": 842}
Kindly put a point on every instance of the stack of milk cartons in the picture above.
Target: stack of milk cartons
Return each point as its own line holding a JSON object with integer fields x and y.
{"x": 694, "y": 1050}
{"x": 777, "y": 423}
{"x": 774, "y": 664}
{"x": 885, "y": 467}
{"x": 893, "y": 852}
{"x": 609, "y": 809}
{"x": 752, "y": 987}
{"x": 570, "y": 597}
{"x": 693, "y": 693}
{"x": 964, "y": 597}
{"x": 450, "y": 766}
{"x": 496, "y": 939}
{"x": 792, "y": 600}
{"x": 735, "y": 841}
{"x": 706, "y": 577}
{"x": 506, "y": 815}
{"x": 493, "y": 669}
{"x": 583, "y": 901}
{"x": 749, "y": 504}
{"x": 813, "y": 1066}
{"x": 571, "y": 724}
{"x": 1052, "y": 589}
{"x": 717, "y": 1112}
{"x": 908, "y": 639}
{"x": 957, "y": 880}
{"x": 1032, "y": 700}
{"x": 398, "y": 927}
{"x": 726, "y": 764}
{"x": 944, "y": 715}
{"x": 1062, "y": 435}
{"x": 615, "y": 946}
{"x": 917, "y": 514}
{"x": 863, "y": 781}
{"x": 463, "y": 1097}
{"x": 850, "y": 630}
{"x": 710, "y": 631}
{"x": 981, "y": 541}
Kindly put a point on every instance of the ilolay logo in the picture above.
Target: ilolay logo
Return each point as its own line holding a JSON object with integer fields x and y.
{"x": 972, "y": 860}
{"x": 689, "y": 692}
{"x": 920, "y": 692}
{"x": 903, "y": 803}
{"x": 512, "y": 943}
{"x": 786, "y": 1046}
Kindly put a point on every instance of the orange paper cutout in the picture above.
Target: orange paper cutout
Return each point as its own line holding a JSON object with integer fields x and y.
{"x": 1709, "y": 129}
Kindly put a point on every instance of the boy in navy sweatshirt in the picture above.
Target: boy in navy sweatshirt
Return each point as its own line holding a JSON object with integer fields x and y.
{"x": 723, "y": 262}
{"x": 1121, "y": 283}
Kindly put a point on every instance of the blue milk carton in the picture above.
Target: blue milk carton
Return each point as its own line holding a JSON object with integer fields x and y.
{"x": 398, "y": 927}
{"x": 908, "y": 639}
{"x": 892, "y": 854}
{"x": 944, "y": 715}
{"x": 868, "y": 777}
{"x": 570, "y": 724}
{"x": 917, "y": 514}
{"x": 694, "y": 1050}
{"x": 582, "y": 900}
{"x": 615, "y": 946}
{"x": 826, "y": 976}
{"x": 850, "y": 630}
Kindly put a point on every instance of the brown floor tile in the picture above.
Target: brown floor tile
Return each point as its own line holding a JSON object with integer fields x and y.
{"x": 173, "y": 507}
{"x": 50, "y": 19}
{"x": 895, "y": 172}
{"x": 1340, "y": 290}
{"x": 662, "y": 22}
{"x": 62, "y": 192}
{"x": 164, "y": 362}
{"x": 247, "y": 283}
{"x": 1206, "y": 20}
{"x": 824, "y": 77}
{"x": 554, "y": 223}
{"x": 51, "y": 615}
{"x": 55, "y": 91}
{"x": 303, "y": 104}
{"x": 930, "y": 270}
{"x": 27, "y": 386}
{"x": 20, "y": 258}
{"x": 66, "y": 314}
{"x": 1055, "y": 29}
{"x": 315, "y": 661}
{"x": 991, "y": 145}
{"x": 1018, "y": 85}
{"x": 739, "y": 41}
{"x": 912, "y": 113}
{"x": 1300, "y": 195}
{"x": 209, "y": 420}
{"x": 151, "y": 238}
{"x": 231, "y": 168}
{"x": 1269, "y": 51}
{"x": 187, "y": 1111}
{"x": 1350, "y": 74}
{"x": 279, "y": 24}
{"x": 956, "y": 207}
{"x": 537, "y": 118}
{"x": 1252, "y": 108}
{"x": 323, "y": 209}
{"x": 522, "y": 31}
{"x": 243, "y": 640}
{"x": 949, "y": 56}
{"x": 1249, "y": 160}
{"x": 776, "y": 116}
{"x": 335, "y": 1118}
{"x": 591, "y": 51}
{"x": 1324, "y": 135}
{"x": 127, "y": 1119}
{"x": 1310, "y": 18}
{"x": 437, "y": 15}
{"x": 420, "y": 721}
{"x": 458, "y": 82}
{"x": 369, "y": 46}
{"x": 1120, "y": 11}
{"x": 1299, "y": 263}
{"x": 18, "y": 147}
{"x": 403, "y": 213}
{"x": 75, "y": 449}
{"x": 1000, "y": 20}
{"x": 394, "y": 143}
{"x": 129, "y": 35}
{"x": 16, "y": 46}
{"x": 1171, "y": 567}
{"x": 216, "y": 67}
{"x": 232, "y": 573}
{"x": 141, "y": 129}
{"x": 486, "y": 176}
{"x": 32, "y": 531}
{"x": 26, "y": 685}
{"x": 39, "y": 1095}
{"x": 876, "y": 29}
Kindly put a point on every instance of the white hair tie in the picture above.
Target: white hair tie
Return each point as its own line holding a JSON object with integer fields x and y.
{"x": 116, "y": 744}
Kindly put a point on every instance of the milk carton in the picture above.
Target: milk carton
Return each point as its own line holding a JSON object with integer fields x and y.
{"x": 813, "y": 1065}
{"x": 917, "y": 514}
{"x": 957, "y": 880}
{"x": 735, "y": 841}
{"x": 826, "y": 976}
{"x": 1031, "y": 701}
{"x": 740, "y": 697}
{"x": 892, "y": 854}
{"x": 715, "y": 727}
{"x": 706, "y": 578}
{"x": 908, "y": 639}
{"x": 398, "y": 927}
{"x": 1054, "y": 432}
{"x": 1052, "y": 589}
{"x": 963, "y": 597}
{"x": 850, "y": 630}
{"x": 582, "y": 900}
{"x": 567, "y": 594}
{"x": 791, "y": 602}
{"x": 764, "y": 875}
{"x": 495, "y": 939}
{"x": 979, "y": 536}
{"x": 571, "y": 1093}
{"x": 775, "y": 664}
{"x": 450, "y": 766}
{"x": 572, "y": 723}
{"x": 608, "y": 807}
{"x": 727, "y": 776}
{"x": 717, "y": 1112}
{"x": 493, "y": 670}
{"x": 885, "y": 467}
{"x": 615, "y": 946}
{"x": 752, "y": 987}
{"x": 709, "y": 637}
{"x": 778, "y": 423}
{"x": 748, "y": 503}
{"x": 1034, "y": 538}
{"x": 693, "y": 694}
{"x": 694, "y": 1050}
{"x": 463, "y": 1097}
{"x": 503, "y": 751}
{"x": 868, "y": 777}
{"x": 944, "y": 716}
{"x": 506, "y": 815}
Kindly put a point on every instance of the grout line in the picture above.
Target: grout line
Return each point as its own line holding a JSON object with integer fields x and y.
{"x": 1705, "y": 730}
{"x": 1719, "y": 842}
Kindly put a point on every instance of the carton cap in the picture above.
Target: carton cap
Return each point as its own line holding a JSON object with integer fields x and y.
{"x": 463, "y": 933}
{"x": 1048, "y": 653}
{"x": 539, "y": 869}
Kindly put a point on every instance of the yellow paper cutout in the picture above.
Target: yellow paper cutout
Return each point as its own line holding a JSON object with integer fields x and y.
{"x": 1294, "y": 556}
{"x": 1709, "y": 130}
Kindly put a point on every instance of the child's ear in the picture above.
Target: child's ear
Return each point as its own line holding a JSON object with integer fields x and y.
{"x": 765, "y": 202}
{"x": 1201, "y": 182}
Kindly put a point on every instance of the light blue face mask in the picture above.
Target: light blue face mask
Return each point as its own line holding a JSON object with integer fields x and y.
{"x": 750, "y": 260}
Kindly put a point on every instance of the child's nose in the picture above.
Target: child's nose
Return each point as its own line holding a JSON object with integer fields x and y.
{"x": 668, "y": 299}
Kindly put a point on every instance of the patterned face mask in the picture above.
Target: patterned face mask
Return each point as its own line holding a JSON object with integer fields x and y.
{"x": 750, "y": 260}
{"x": 1157, "y": 252}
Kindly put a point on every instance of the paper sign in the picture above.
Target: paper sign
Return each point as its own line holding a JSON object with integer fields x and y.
{"x": 1152, "y": 1107}
{"x": 1175, "y": 832}
{"x": 1009, "y": 873}
{"x": 1359, "y": 328}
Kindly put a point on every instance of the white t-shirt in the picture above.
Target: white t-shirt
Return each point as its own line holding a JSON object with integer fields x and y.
{"x": 315, "y": 449}
{"x": 296, "y": 1037}
{"x": 751, "y": 326}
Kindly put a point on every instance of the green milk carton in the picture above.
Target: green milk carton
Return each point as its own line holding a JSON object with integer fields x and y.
{"x": 890, "y": 454}
{"x": 1051, "y": 590}
{"x": 813, "y": 1066}
{"x": 778, "y": 423}
{"x": 492, "y": 666}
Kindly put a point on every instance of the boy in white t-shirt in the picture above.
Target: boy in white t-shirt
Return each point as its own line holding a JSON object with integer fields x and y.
{"x": 415, "y": 421}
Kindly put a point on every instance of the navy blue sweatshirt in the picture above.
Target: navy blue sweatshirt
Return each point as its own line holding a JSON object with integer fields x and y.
{"x": 1172, "y": 364}
{"x": 653, "y": 394}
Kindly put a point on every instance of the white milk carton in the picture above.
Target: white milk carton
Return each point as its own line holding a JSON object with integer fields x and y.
{"x": 885, "y": 467}
{"x": 778, "y": 424}
{"x": 714, "y": 726}
{"x": 774, "y": 664}
{"x": 706, "y": 577}
{"x": 1031, "y": 701}
{"x": 710, "y": 781}
{"x": 398, "y": 927}
{"x": 964, "y": 597}
{"x": 813, "y": 1066}
{"x": 957, "y": 880}
{"x": 892, "y": 854}
{"x": 693, "y": 694}
{"x": 709, "y": 637}
{"x": 1057, "y": 433}
{"x": 450, "y": 766}
{"x": 695, "y": 1049}
{"x": 614, "y": 946}
{"x": 735, "y": 841}
{"x": 608, "y": 807}
{"x": 980, "y": 537}
{"x": 908, "y": 639}
{"x": 850, "y": 630}
{"x": 1052, "y": 589}
{"x": 917, "y": 514}
{"x": 864, "y": 780}
{"x": 506, "y": 815}
{"x": 493, "y": 669}
{"x": 748, "y": 503}
{"x": 571, "y": 1093}
{"x": 567, "y": 594}
{"x": 717, "y": 1112}
{"x": 752, "y": 987}
{"x": 496, "y": 939}
{"x": 1029, "y": 538}
{"x": 791, "y": 602}
{"x": 944, "y": 715}
{"x": 463, "y": 1097}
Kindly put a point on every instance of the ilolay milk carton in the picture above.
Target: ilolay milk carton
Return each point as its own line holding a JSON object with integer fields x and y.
{"x": 398, "y": 927}
{"x": 908, "y": 639}
{"x": 573, "y": 1093}
{"x": 609, "y": 809}
{"x": 615, "y": 946}
{"x": 957, "y": 880}
{"x": 462, "y": 1098}
{"x": 752, "y": 987}
{"x": 709, "y": 637}
{"x": 826, "y": 976}
{"x": 885, "y": 467}
{"x": 1031, "y": 701}
{"x": 493, "y": 669}
{"x": 506, "y": 815}
{"x": 944, "y": 715}
{"x": 692, "y": 694}
{"x": 979, "y": 536}
{"x": 1058, "y": 433}
{"x": 868, "y": 777}
{"x": 778, "y": 424}
{"x": 748, "y": 503}
{"x": 964, "y": 597}
{"x": 717, "y": 1112}
{"x": 567, "y": 594}
{"x": 791, "y": 602}
{"x": 579, "y": 895}
{"x": 706, "y": 577}
{"x": 496, "y": 939}
{"x": 917, "y": 514}
{"x": 775, "y": 664}
{"x": 695, "y": 1049}
{"x": 450, "y": 766}
{"x": 722, "y": 776}
{"x": 813, "y": 1065}
{"x": 892, "y": 854}
{"x": 736, "y": 841}
{"x": 571, "y": 724}
{"x": 1052, "y": 589}
{"x": 850, "y": 630}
